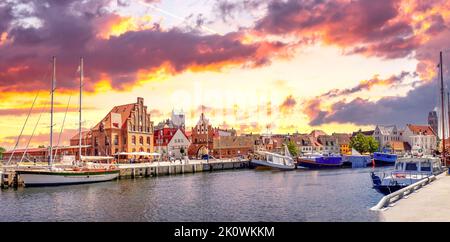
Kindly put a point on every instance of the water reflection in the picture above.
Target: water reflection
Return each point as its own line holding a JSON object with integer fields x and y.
{"x": 240, "y": 195}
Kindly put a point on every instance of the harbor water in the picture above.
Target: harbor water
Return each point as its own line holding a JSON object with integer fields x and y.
{"x": 234, "y": 195}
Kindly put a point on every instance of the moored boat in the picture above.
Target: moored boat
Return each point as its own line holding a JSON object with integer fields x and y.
{"x": 406, "y": 172}
{"x": 383, "y": 158}
{"x": 318, "y": 161}
{"x": 67, "y": 176}
{"x": 269, "y": 160}
{"x": 82, "y": 171}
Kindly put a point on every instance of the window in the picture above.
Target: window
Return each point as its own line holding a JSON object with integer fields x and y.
{"x": 133, "y": 140}
{"x": 411, "y": 167}
{"x": 141, "y": 140}
{"x": 148, "y": 140}
{"x": 116, "y": 140}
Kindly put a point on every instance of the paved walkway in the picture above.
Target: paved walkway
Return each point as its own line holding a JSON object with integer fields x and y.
{"x": 430, "y": 203}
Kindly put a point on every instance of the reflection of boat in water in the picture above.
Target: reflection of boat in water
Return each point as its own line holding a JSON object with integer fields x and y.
{"x": 318, "y": 161}
{"x": 406, "y": 172}
{"x": 383, "y": 158}
{"x": 269, "y": 160}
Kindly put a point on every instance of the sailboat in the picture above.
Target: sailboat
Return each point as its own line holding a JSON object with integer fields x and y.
{"x": 80, "y": 172}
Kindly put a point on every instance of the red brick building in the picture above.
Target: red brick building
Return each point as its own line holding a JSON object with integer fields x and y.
{"x": 126, "y": 128}
{"x": 202, "y": 138}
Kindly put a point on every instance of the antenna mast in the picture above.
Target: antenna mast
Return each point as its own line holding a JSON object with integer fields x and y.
{"x": 50, "y": 161}
{"x": 442, "y": 109}
{"x": 79, "y": 121}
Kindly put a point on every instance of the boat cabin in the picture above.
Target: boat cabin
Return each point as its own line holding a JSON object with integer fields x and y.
{"x": 428, "y": 166}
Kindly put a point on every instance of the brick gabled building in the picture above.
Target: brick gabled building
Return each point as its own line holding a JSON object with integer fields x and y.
{"x": 202, "y": 138}
{"x": 126, "y": 128}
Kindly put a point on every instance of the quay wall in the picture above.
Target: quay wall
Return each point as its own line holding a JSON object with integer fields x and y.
{"x": 9, "y": 177}
{"x": 167, "y": 168}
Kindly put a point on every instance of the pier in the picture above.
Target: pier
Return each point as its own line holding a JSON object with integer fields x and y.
{"x": 173, "y": 168}
{"x": 428, "y": 204}
{"x": 9, "y": 177}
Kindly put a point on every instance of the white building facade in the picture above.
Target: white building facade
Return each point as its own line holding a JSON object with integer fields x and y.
{"x": 385, "y": 134}
{"x": 178, "y": 145}
{"x": 420, "y": 137}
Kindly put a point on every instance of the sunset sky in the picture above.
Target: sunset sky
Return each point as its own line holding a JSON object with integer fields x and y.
{"x": 293, "y": 65}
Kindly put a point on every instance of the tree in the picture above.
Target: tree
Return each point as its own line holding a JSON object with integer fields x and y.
{"x": 372, "y": 144}
{"x": 364, "y": 144}
{"x": 358, "y": 143}
{"x": 2, "y": 150}
{"x": 292, "y": 148}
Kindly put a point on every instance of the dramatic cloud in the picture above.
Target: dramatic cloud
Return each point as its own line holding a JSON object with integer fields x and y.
{"x": 288, "y": 104}
{"x": 116, "y": 49}
{"x": 369, "y": 84}
{"x": 411, "y": 108}
{"x": 382, "y": 28}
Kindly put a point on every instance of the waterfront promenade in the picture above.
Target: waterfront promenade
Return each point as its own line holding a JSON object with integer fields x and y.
{"x": 428, "y": 204}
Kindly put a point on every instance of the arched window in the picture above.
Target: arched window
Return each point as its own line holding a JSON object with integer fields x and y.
{"x": 141, "y": 140}
{"x": 133, "y": 139}
{"x": 148, "y": 140}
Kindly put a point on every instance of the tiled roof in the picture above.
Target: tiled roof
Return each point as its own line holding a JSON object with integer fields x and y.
{"x": 342, "y": 138}
{"x": 225, "y": 142}
{"x": 421, "y": 129}
{"x": 400, "y": 145}
{"x": 386, "y": 129}
{"x": 123, "y": 110}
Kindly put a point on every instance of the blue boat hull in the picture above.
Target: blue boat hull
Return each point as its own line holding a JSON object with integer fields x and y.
{"x": 320, "y": 162}
{"x": 384, "y": 158}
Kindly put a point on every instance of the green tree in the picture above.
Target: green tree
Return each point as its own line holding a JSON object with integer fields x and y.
{"x": 2, "y": 150}
{"x": 359, "y": 143}
{"x": 364, "y": 144}
{"x": 292, "y": 148}
{"x": 372, "y": 144}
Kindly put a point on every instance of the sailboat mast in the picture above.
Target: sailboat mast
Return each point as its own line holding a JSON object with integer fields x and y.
{"x": 79, "y": 121}
{"x": 50, "y": 161}
{"x": 442, "y": 108}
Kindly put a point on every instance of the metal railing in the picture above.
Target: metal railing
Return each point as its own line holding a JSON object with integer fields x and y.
{"x": 395, "y": 196}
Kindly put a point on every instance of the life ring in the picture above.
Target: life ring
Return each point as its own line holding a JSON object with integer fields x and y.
{"x": 400, "y": 175}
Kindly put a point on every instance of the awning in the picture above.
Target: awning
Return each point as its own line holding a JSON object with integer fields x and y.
{"x": 88, "y": 158}
{"x": 138, "y": 153}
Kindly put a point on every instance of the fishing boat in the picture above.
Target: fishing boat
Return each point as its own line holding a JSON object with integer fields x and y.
{"x": 319, "y": 161}
{"x": 269, "y": 160}
{"x": 407, "y": 171}
{"x": 384, "y": 158}
{"x": 83, "y": 171}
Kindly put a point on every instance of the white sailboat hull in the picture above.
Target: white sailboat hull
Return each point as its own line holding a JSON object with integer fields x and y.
{"x": 57, "y": 179}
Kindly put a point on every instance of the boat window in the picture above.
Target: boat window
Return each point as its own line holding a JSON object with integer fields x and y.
{"x": 425, "y": 166}
{"x": 399, "y": 166}
{"x": 411, "y": 167}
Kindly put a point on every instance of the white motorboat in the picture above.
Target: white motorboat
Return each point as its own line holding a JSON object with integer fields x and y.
{"x": 407, "y": 171}
{"x": 265, "y": 159}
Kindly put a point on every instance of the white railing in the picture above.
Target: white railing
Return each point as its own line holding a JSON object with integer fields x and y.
{"x": 395, "y": 196}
